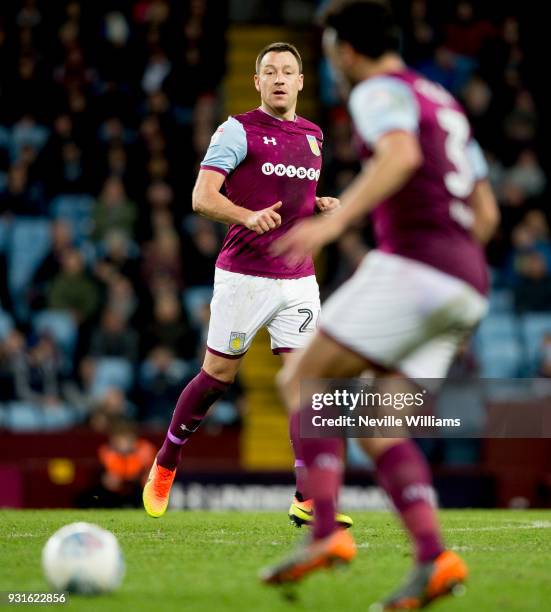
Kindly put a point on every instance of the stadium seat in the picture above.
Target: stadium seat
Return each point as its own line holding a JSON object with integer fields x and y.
{"x": 27, "y": 134}
{"x": 533, "y": 327}
{"x": 498, "y": 325}
{"x": 501, "y": 301}
{"x": 61, "y": 326}
{"x": 26, "y": 416}
{"x": 194, "y": 299}
{"x": 501, "y": 359}
{"x": 28, "y": 245}
{"x": 76, "y": 209}
{"x": 112, "y": 372}
{"x": 498, "y": 347}
{"x": 6, "y": 324}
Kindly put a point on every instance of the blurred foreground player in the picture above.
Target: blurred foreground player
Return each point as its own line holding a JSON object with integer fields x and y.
{"x": 411, "y": 301}
{"x": 268, "y": 161}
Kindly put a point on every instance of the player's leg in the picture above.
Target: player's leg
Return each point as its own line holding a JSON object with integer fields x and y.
{"x": 322, "y": 358}
{"x": 239, "y": 307}
{"x": 388, "y": 310}
{"x": 301, "y": 511}
{"x": 198, "y": 396}
{"x": 212, "y": 381}
{"x": 403, "y": 472}
{"x": 290, "y": 330}
{"x": 300, "y": 506}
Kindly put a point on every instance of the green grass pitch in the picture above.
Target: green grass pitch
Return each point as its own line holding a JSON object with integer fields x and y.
{"x": 207, "y": 561}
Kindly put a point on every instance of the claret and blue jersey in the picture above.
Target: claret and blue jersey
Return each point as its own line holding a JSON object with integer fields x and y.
{"x": 264, "y": 160}
{"x": 430, "y": 218}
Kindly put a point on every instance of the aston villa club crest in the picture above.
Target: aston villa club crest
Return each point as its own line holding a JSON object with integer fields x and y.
{"x": 314, "y": 147}
{"x": 237, "y": 342}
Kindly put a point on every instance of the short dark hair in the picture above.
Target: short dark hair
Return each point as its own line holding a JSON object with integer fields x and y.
{"x": 279, "y": 47}
{"x": 367, "y": 25}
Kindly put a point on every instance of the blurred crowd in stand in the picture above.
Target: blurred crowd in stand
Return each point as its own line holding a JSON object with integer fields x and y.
{"x": 106, "y": 109}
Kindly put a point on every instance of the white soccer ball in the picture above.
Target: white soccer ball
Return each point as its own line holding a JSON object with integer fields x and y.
{"x": 83, "y": 558}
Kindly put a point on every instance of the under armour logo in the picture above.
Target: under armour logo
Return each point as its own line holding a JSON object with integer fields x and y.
{"x": 184, "y": 429}
{"x": 270, "y": 140}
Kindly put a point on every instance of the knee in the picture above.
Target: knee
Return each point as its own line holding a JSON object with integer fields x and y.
{"x": 221, "y": 371}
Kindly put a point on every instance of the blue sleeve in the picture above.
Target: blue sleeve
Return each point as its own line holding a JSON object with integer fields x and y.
{"x": 381, "y": 105}
{"x": 478, "y": 161}
{"x": 228, "y": 147}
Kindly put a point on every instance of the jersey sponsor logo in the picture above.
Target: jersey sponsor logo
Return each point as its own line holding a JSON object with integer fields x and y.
{"x": 314, "y": 147}
{"x": 291, "y": 171}
{"x": 271, "y": 140}
{"x": 237, "y": 342}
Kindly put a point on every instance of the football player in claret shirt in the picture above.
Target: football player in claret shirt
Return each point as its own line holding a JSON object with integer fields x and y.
{"x": 411, "y": 301}
{"x": 268, "y": 160}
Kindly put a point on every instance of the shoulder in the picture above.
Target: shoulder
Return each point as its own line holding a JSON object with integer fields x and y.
{"x": 249, "y": 117}
{"x": 229, "y": 132}
{"x": 381, "y": 90}
{"x": 310, "y": 127}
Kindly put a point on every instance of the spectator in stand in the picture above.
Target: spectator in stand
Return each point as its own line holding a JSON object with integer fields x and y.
{"x": 113, "y": 338}
{"x": 527, "y": 175}
{"x": 61, "y": 240}
{"x": 162, "y": 262}
{"x": 111, "y": 406}
{"x": 121, "y": 297}
{"x": 125, "y": 461}
{"x": 73, "y": 290}
{"x": 170, "y": 328}
{"x": 161, "y": 378}
{"x": 520, "y": 125}
{"x": 12, "y": 347}
{"x": 118, "y": 258}
{"x": 477, "y": 98}
{"x": 113, "y": 210}
{"x": 532, "y": 288}
{"x": 22, "y": 198}
{"x": 201, "y": 247}
{"x": 447, "y": 68}
{"x": 420, "y": 37}
{"x": 37, "y": 372}
{"x": 466, "y": 34}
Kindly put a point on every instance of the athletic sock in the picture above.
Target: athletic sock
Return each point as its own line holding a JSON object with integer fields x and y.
{"x": 192, "y": 406}
{"x": 300, "y": 466}
{"x": 404, "y": 474}
{"x": 323, "y": 459}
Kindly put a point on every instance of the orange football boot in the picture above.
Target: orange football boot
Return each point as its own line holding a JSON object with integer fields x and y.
{"x": 427, "y": 582}
{"x": 337, "y": 548}
{"x": 156, "y": 492}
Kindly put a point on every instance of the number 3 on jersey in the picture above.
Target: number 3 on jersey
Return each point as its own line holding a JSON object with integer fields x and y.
{"x": 459, "y": 183}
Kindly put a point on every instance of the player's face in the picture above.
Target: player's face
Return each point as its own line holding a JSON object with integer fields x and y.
{"x": 279, "y": 80}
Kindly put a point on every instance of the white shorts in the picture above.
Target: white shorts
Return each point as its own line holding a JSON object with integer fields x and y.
{"x": 403, "y": 315}
{"x": 243, "y": 304}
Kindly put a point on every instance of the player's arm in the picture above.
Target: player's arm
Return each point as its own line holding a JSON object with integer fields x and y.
{"x": 209, "y": 202}
{"x": 227, "y": 149}
{"x": 397, "y": 157}
{"x": 482, "y": 201}
{"x": 386, "y": 115}
{"x": 486, "y": 211}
